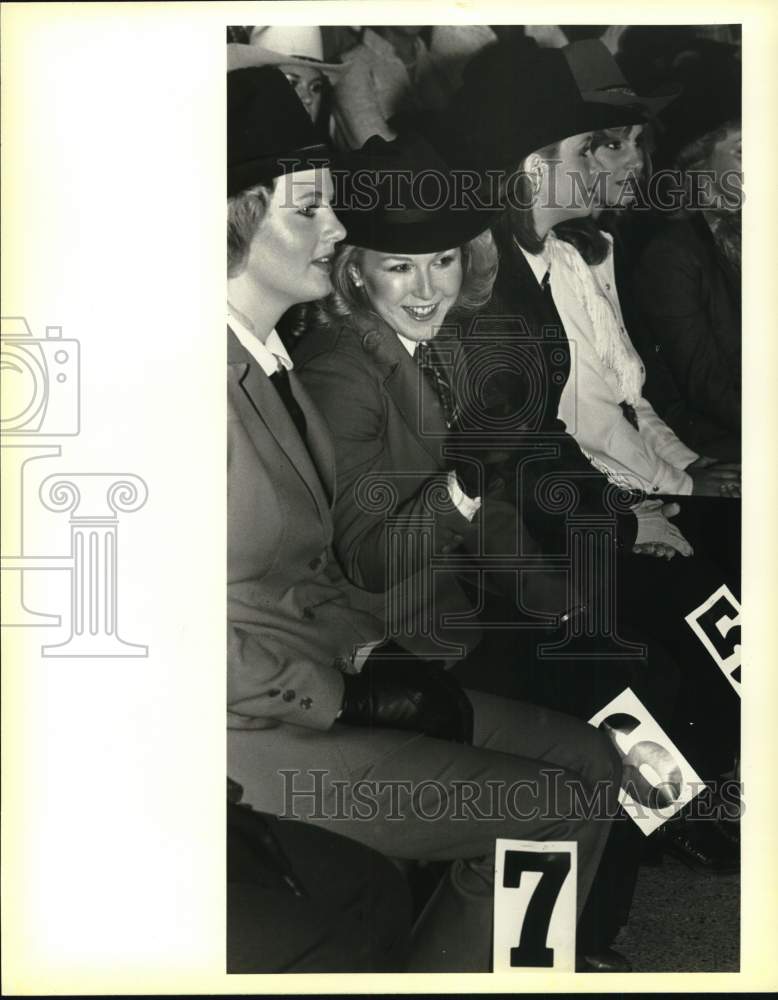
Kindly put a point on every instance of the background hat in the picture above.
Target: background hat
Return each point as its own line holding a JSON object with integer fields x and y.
{"x": 401, "y": 197}
{"x": 518, "y": 97}
{"x": 291, "y": 39}
{"x": 269, "y": 132}
{"x": 599, "y": 79}
{"x": 240, "y": 56}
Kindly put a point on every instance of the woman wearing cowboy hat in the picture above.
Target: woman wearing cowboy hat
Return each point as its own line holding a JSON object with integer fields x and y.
{"x": 322, "y": 725}
{"x": 543, "y": 150}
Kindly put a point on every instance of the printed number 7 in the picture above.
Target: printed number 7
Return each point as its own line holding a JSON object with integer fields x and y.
{"x": 554, "y": 866}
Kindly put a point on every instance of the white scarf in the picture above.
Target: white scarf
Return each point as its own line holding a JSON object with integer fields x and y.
{"x": 611, "y": 341}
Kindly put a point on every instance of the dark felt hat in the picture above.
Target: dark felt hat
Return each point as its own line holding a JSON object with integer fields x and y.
{"x": 518, "y": 97}
{"x": 269, "y": 132}
{"x": 402, "y": 197}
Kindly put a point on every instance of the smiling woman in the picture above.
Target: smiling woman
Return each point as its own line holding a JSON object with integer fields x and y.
{"x": 398, "y": 281}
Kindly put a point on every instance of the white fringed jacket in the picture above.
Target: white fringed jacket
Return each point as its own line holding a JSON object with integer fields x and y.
{"x": 606, "y": 370}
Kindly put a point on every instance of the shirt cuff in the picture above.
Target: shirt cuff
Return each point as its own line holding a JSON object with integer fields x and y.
{"x": 467, "y": 506}
{"x": 362, "y": 652}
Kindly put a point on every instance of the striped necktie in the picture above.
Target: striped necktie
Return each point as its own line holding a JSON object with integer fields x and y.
{"x": 429, "y": 363}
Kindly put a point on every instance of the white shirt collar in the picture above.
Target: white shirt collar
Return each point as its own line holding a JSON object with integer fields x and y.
{"x": 270, "y": 356}
{"x": 409, "y": 345}
{"x": 537, "y": 262}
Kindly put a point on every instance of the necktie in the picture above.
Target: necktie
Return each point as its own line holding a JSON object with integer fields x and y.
{"x": 429, "y": 364}
{"x": 280, "y": 380}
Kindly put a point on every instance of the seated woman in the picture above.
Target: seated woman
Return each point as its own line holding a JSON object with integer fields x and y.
{"x": 688, "y": 286}
{"x": 541, "y": 325}
{"x": 603, "y": 399}
{"x": 303, "y": 705}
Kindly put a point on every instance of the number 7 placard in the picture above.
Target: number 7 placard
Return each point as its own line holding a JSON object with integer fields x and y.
{"x": 534, "y": 905}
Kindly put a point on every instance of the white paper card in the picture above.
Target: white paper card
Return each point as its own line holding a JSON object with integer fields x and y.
{"x": 716, "y": 623}
{"x": 657, "y": 780}
{"x": 534, "y": 905}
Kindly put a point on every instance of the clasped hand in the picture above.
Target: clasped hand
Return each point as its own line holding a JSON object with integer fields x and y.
{"x": 711, "y": 478}
{"x": 656, "y": 535}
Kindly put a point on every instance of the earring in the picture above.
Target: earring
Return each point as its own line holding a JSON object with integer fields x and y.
{"x": 354, "y": 275}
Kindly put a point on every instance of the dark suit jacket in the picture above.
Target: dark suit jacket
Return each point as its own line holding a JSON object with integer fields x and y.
{"x": 292, "y": 621}
{"x": 518, "y": 360}
{"x": 690, "y": 300}
{"x": 391, "y": 443}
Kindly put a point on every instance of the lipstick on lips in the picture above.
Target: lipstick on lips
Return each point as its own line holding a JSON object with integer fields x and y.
{"x": 421, "y": 313}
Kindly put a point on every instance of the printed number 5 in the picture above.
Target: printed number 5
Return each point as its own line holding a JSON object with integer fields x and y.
{"x": 553, "y": 866}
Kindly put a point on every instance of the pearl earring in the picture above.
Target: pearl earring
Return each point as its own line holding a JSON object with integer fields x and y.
{"x": 357, "y": 280}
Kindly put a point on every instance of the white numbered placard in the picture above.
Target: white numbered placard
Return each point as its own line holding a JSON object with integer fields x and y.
{"x": 657, "y": 780}
{"x": 534, "y": 905}
{"x": 716, "y": 623}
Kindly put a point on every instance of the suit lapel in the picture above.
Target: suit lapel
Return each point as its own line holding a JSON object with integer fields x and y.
{"x": 408, "y": 389}
{"x": 257, "y": 398}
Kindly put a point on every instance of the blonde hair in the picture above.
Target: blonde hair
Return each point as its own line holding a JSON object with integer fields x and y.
{"x": 479, "y": 270}
{"x": 245, "y": 212}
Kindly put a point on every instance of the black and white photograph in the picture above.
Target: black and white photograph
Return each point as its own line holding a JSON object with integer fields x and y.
{"x": 494, "y": 492}
{"x": 484, "y": 340}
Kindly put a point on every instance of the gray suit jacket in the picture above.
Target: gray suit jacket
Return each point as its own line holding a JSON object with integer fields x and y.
{"x": 292, "y": 624}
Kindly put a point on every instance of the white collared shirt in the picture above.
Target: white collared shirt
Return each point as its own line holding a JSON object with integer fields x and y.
{"x": 270, "y": 355}
{"x": 652, "y": 458}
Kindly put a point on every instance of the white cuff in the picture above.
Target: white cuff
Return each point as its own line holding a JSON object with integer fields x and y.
{"x": 467, "y": 506}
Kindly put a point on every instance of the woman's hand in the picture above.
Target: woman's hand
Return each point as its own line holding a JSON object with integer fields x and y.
{"x": 657, "y": 549}
{"x": 656, "y": 536}
{"x": 714, "y": 479}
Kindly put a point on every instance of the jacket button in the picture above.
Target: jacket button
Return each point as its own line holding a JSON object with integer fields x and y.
{"x": 308, "y": 613}
{"x": 315, "y": 563}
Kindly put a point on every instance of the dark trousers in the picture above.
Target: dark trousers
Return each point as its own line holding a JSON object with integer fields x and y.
{"x": 507, "y": 663}
{"x": 354, "y": 916}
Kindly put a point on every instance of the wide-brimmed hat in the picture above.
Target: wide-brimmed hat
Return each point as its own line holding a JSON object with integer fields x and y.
{"x": 518, "y": 97}
{"x": 240, "y": 56}
{"x": 599, "y": 80}
{"x": 269, "y": 132}
{"x": 402, "y": 197}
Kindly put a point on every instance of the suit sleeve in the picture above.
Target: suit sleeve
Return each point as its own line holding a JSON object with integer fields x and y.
{"x": 528, "y": 474}
{"x": 268, "y": 679}
{"x": 589, "y": 405}
{"x": 352, "y": 401}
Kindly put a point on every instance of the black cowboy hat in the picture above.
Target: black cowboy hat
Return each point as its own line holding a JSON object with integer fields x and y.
{"x": 402, "y": 197}
{"x": 518, "y": 97}
{"x": 269, "y": 132}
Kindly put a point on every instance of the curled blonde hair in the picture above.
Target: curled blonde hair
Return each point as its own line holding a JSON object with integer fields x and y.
{"x": 245, "y": 212}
